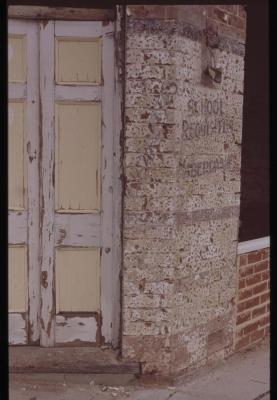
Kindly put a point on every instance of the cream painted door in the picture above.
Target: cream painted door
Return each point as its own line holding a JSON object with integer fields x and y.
{"x": 73, "y": 227}
{"x": 76, "y": 86}
{"x": 23, "y": 191}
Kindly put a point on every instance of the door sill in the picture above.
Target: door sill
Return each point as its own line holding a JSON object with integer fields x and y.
{"x": 67, "y": 360}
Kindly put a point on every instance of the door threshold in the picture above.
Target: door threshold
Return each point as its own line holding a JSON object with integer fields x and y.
{"x": 68, "y": 360}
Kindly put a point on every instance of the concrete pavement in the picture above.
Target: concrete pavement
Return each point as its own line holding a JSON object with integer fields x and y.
{"x": 244, "y": 376}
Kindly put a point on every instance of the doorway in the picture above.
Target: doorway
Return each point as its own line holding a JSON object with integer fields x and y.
{"x": 63, "y": 172}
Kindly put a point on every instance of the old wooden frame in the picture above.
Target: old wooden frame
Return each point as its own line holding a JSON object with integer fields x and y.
{"x": 24, "y": 225}
{"x": 60, "y": 13}
{"x": 112, "y": 101}
{"x": 87, "y": 229}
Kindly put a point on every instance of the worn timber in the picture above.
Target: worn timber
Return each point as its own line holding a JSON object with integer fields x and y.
{"x": 68, "y": 360}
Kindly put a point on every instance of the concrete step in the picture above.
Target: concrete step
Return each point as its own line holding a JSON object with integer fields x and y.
{"x": 68, "y": 360}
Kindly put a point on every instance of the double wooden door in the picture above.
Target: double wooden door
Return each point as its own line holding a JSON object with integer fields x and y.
{"x": 61, "y": 175}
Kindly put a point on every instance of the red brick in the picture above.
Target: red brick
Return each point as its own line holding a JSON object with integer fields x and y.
{"x": 242, "y": 283}
{"x": 229, "y": 8}
{"x": 260, "y": 288}
{"x": 268, "y": 285}
{"x": 246, "y": 271}
{"x": 237, "y": 22}
{"x": 258, "y": 311}
{"x": 251, "y": 327}
{"x": 268, "y": 307}
{"x": 264, "y": 297}
{"x": 264, "y": 321}
{"x": 251, "y": 302}
{"x": 241, "y": 307}
{"x": 242, "y": 342}
{"x": 254, "y": 256}
{"x": 243, "y": 259}
{"x": 265, "y": 254}
{"x": 265, "y": 276}
{"x": 244, "y": 294}
{"x": 267, "y": 330}
{"x": 243, "y": 318}
{"x": 241, "y": 11}
{"x": 257, "y": 335}
{"x": 252, "y": 280}
{"x": 262, "y": 266}
{"x": 220, "y": 15}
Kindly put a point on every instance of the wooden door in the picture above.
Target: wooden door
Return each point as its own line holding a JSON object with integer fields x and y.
{"x": 76, "y": 182}
{"x": 23, "y": 192}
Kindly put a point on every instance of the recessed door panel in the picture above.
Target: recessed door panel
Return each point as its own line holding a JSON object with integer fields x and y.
{"x": 78, "y": 60}
{"x": 18, "y": 283}
{"x": 16, "y": 147}
{"x": 77, "y": 156}
{"x": 17, "y": 58}
{"x": 77, "y": 280}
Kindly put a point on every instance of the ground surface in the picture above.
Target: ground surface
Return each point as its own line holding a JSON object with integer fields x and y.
{"x": 244, "y": 376}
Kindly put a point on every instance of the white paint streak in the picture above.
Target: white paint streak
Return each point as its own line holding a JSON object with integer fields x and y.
{"x": 108, "y": 280}
{"x": 75, "y": 328}
{"x": 47, "y": 338}
{"x": 17, "y": 222}
{"x": 17, "y": 329}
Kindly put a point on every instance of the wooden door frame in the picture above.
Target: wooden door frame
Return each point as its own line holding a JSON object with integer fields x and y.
{"x": 24, "y": 225}
{"x": 111, "y": 280}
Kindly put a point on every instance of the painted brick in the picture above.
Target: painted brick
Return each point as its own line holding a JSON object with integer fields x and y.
{"x": 179, "y": 280}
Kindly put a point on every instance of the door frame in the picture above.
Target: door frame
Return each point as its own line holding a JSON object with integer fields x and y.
{"x": 111, "y": 279}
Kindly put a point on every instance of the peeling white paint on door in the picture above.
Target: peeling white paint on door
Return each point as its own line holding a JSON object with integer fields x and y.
{"x": 75, "y": 330}
{"x": 66, "y": 287}
{"x": 17, "y": 329}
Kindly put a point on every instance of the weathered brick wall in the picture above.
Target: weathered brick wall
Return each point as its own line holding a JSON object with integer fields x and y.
{"x": 182, "y": 173}
{"x": 252, "y": 298}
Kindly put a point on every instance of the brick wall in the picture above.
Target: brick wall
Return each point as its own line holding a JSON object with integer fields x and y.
{"x": 253, "y": 298}
{"x": 182, "y": 185}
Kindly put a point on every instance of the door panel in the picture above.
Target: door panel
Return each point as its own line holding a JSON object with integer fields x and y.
{"x": 77, "y": 280}
{"x": 78, "y": 199}
{"x": 78, "y": 132}
{"x": 23, "y": 140}
{"x": 17, "y": 58}
{"x": 18, "y": 284}
{"x": 78, "y": 60}
{"x": 17, "y": 156}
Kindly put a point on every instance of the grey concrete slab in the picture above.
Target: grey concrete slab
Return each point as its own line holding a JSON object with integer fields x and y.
{"x": 244, "y": 376}
{"x": 151, "y": 394}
